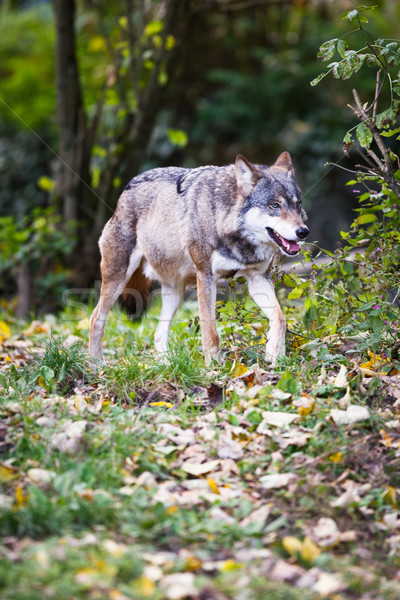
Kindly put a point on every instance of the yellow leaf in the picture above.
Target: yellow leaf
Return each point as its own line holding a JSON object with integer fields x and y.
{"x": 192, "y": 563}
{"x": 20, "y": 497}
{"x": 161, "y": 403}
{"x": 387, "y": 438}
{"x": 298, "y": 340}
{"x": 231, "y": 565}
{"x": 292, "y": 545}
{"x": 390, "y": 496}
{"x": 305, "y": 405}
{"x": 375, "y": 362}
{"x": 7, "y": 473}
{"x": 309, "y": 550}
{"x": 172, "y": 509}
{"x": 213, "y": 486}
{"x": 45, "y": 183}
{"x": 83, "y": 324}
{"x": 239, "y": 369}
{"x": 144, "y": 586}
{"x": 41, "y": 381}
{"x": 336, "y": 457}
{"x": 5, "y": 332}
{"x": 306, "y": 549}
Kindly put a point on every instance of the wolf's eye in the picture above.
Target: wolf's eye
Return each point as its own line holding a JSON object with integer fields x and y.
{"x": 299, "y": 205}
{"x": 274, "y": 205}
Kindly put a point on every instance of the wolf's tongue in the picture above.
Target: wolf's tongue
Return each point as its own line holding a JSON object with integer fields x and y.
{"x": 289, "y": 245}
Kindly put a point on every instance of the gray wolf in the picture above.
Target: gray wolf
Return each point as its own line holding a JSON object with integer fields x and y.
{"x": 194, "y": 226}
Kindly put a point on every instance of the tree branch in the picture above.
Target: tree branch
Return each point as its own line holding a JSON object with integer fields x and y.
{"x": 385, "y": 167}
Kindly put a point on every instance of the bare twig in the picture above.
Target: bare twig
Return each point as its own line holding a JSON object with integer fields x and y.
{"x": 378, "y": 89}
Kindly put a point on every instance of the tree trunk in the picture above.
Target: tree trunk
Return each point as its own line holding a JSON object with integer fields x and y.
{"x": 23, "y": 291}
{"x": 76, "y": 138}
{"x": 72, "y": 180}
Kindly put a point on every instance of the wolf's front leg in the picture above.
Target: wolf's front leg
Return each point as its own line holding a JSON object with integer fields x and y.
{"x": 263, "y": 293}
{"x": 206, "y": 295}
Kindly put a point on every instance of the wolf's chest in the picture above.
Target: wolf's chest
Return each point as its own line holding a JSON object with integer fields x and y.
{"x": 223, "y": 266}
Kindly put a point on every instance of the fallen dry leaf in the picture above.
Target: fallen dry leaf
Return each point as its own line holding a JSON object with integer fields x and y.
{"x": 277, "y": 480}
{"x": 199, "y": 468}
{"x": 328, "y": 584}
{"x": 41, "y": 475}
{"x": 295, "y": 437}
{"x": 217, "y": 513}
{"x": 178, "y": 585}
{"x": 352, "y": 414}
{"x": 229, "y": 448}
{"x": 341, "y": 378}
{"x": 260, "y": 514}
{"x": 326, "y": 533}
{"x": 278, "y": 419}
{"x": 353, "y": 492}
{"x": 71, "y": 437}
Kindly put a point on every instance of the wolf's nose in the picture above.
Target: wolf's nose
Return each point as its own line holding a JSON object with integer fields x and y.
{"x": 302, "y": 232}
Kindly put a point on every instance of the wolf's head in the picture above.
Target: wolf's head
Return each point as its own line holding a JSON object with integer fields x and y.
{"x": 272, "y": 207}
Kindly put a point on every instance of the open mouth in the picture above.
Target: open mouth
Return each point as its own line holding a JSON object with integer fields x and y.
{"x": 288, "y": 246}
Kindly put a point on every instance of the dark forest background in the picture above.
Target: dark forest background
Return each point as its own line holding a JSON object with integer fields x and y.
{"x": 93, "y": 92}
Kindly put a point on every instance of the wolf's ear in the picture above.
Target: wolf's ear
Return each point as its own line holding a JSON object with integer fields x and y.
{"x": 247, "y": 174}
{"x": 284, "y": 161}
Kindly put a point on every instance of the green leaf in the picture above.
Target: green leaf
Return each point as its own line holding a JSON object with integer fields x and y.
{"x": 327, "y": 50}
{"x": 316, "y": 81}
{"x": 99, "y": 151}
{"x": 295, "y": 293}
{"x": 347, "y": 268}
{"x": 366, "y": 218}
{"x": 350, "y": 15}
{"x": 386, "y": 118}
{"x": 337, "y": 69}
{"x": 254, "y": 417}
{"x": 390, "y": 132}
{"x": 364, "y": 135}
{"x": 47, "y": 373}
{"x": 177, "y": 137}
{"x": 342, "y": 46}
{"x": 288, "y": 281}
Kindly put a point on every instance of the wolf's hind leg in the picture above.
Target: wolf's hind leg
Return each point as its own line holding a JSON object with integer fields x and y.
{"x": 171, "y": 300}
{"x": 263, "y": 293}
{"x": 113, "y": 284}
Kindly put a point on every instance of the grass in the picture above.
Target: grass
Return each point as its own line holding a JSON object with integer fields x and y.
{"x": 113, "y": 482}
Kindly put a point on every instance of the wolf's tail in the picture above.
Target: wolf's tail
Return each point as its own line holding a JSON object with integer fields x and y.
{"x": 135, "y": 297}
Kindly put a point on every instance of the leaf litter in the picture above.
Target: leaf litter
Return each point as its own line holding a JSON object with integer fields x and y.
{"x": 260, "y": 484}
